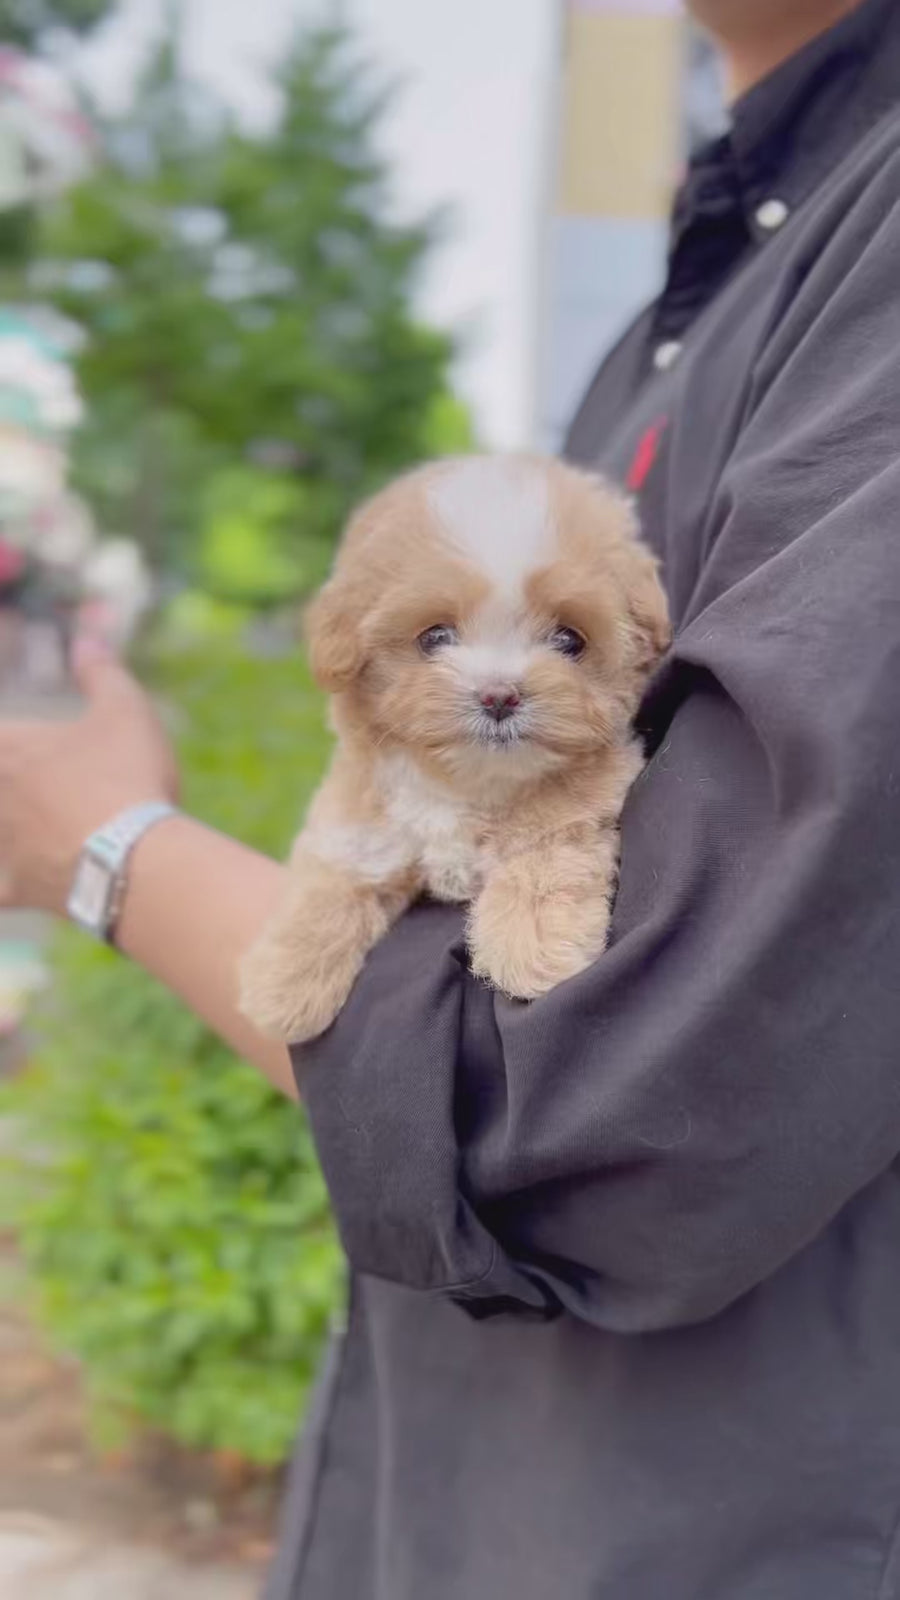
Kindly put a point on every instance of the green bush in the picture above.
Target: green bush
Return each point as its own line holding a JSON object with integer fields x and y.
{"x": 261, "y": 540}
{"x": 169, "y": 1206}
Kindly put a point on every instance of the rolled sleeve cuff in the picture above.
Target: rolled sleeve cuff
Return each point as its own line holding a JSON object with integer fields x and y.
{"x": 381, "y": 1093}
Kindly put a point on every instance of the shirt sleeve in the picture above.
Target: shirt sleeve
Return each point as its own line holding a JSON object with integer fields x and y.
{"x": 654, "y": 1138}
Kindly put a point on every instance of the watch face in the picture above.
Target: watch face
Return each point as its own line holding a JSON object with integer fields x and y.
{"x": 91, "y": 891}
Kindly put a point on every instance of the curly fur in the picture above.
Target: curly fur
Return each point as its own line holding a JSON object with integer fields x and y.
{"x": 427, "y": 794}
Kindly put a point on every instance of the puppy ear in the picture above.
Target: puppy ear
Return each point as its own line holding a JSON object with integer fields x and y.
{"x": 334, "y": 633}
{"x": 648, "y": 624}
{"x": 647, "y": 610}
{"x": 335, "y": 620}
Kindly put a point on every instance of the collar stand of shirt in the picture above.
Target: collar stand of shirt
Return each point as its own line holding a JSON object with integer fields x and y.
{"x": 786, "y": 134}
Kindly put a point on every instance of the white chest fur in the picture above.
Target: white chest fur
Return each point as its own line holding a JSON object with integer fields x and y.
{"x": 423, "y": 825}
{"x": 437, "y": 827}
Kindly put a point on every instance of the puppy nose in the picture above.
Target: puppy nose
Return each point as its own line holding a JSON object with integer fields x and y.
{"x": 500, "y": 700}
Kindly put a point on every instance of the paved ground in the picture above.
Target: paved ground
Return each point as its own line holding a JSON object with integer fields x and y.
{"x": 40, "y": 1561}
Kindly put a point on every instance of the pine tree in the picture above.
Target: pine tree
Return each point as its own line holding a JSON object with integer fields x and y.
{"x": 245, "y": 302}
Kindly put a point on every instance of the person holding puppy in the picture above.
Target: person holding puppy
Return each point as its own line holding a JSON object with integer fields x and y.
{"x": 625, "y": 1316}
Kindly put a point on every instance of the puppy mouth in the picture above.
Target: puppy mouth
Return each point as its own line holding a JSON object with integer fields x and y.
{"x": 504, "y": 735}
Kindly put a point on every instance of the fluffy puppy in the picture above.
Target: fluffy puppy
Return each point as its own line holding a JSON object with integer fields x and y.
{"x": 485, "y": 637}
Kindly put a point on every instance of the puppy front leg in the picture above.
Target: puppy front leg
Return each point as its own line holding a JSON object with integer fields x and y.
{"x": 543, "y": 913}
{"x": 296, "y": 977}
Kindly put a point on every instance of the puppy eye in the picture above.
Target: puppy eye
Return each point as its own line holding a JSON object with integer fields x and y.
{"x": 436, "y": 638}
{"x": 569, "y": 642}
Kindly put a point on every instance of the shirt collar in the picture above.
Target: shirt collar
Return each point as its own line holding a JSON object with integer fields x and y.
{"x": 796, "y": 125}
{"x": 786, "y": 135}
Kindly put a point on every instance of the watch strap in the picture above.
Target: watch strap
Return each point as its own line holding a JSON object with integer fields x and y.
{"x": 107, "y": 851}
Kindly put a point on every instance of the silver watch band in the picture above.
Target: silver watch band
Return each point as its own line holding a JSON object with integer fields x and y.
{"x": 95, "y": 899}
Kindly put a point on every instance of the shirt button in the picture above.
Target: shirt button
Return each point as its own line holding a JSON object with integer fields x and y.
{"x": 665, "y": 355}
{"x": 772, "y": 214}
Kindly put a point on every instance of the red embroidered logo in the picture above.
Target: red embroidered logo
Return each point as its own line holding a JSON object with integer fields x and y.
{"x": 644, "y": 456}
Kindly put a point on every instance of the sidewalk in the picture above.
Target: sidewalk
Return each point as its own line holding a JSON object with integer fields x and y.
{"x": 74, "y": 1528}
{"x": 39, "y": 1560}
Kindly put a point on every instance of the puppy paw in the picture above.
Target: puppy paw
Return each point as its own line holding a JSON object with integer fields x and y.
{"x": 525, "y": 943}
{"x": 525, "y": 973}
{"x": 289, "y": 992}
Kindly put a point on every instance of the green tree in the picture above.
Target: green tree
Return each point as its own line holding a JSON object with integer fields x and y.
{"x": 246, "y": 302}
{"x": 26, "y": 22}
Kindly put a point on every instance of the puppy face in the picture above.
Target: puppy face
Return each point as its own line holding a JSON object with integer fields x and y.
{"x": 495, "y": 609}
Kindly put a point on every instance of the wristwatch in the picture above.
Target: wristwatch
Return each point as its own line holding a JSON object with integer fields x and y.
{"x": 98, "y": 887}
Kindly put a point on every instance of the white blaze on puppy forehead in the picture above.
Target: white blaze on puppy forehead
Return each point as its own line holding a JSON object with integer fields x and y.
{"x": 497, "y": 515}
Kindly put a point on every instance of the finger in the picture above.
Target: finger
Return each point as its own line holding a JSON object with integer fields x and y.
{"x": 100, "y": 676}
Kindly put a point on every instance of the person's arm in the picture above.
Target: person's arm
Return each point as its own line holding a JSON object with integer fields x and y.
{"x": 659, "y": 1136}
{"x": 194, "y": 898}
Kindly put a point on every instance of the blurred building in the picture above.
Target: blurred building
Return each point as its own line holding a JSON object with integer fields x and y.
{"x": 636, "y": 88}
{"x": 38, "y": 405}
{"x": 45, "y": 141}
{"x": 45, "y": 145}
{"x": 46, "y": 531}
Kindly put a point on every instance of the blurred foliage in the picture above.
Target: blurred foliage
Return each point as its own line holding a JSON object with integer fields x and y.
{"x": 171, "y": 1211}
{"x": 243, "y": 556}
{"x": 26, "y": 22}
{"x": 448, "y": 427}
{"x": 194, "y": 617}
{"x": 251, "y": 369}
{"x": 245, "y": 300}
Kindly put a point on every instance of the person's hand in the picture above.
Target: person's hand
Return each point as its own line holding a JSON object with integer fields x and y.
{"x": 61, "y": 780}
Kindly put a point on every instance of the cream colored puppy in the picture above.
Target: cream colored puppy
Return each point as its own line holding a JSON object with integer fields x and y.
{"x": 485, "y": 638}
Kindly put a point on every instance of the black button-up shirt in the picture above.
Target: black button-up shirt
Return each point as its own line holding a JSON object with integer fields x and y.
{"x": 626, "y": 1311}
